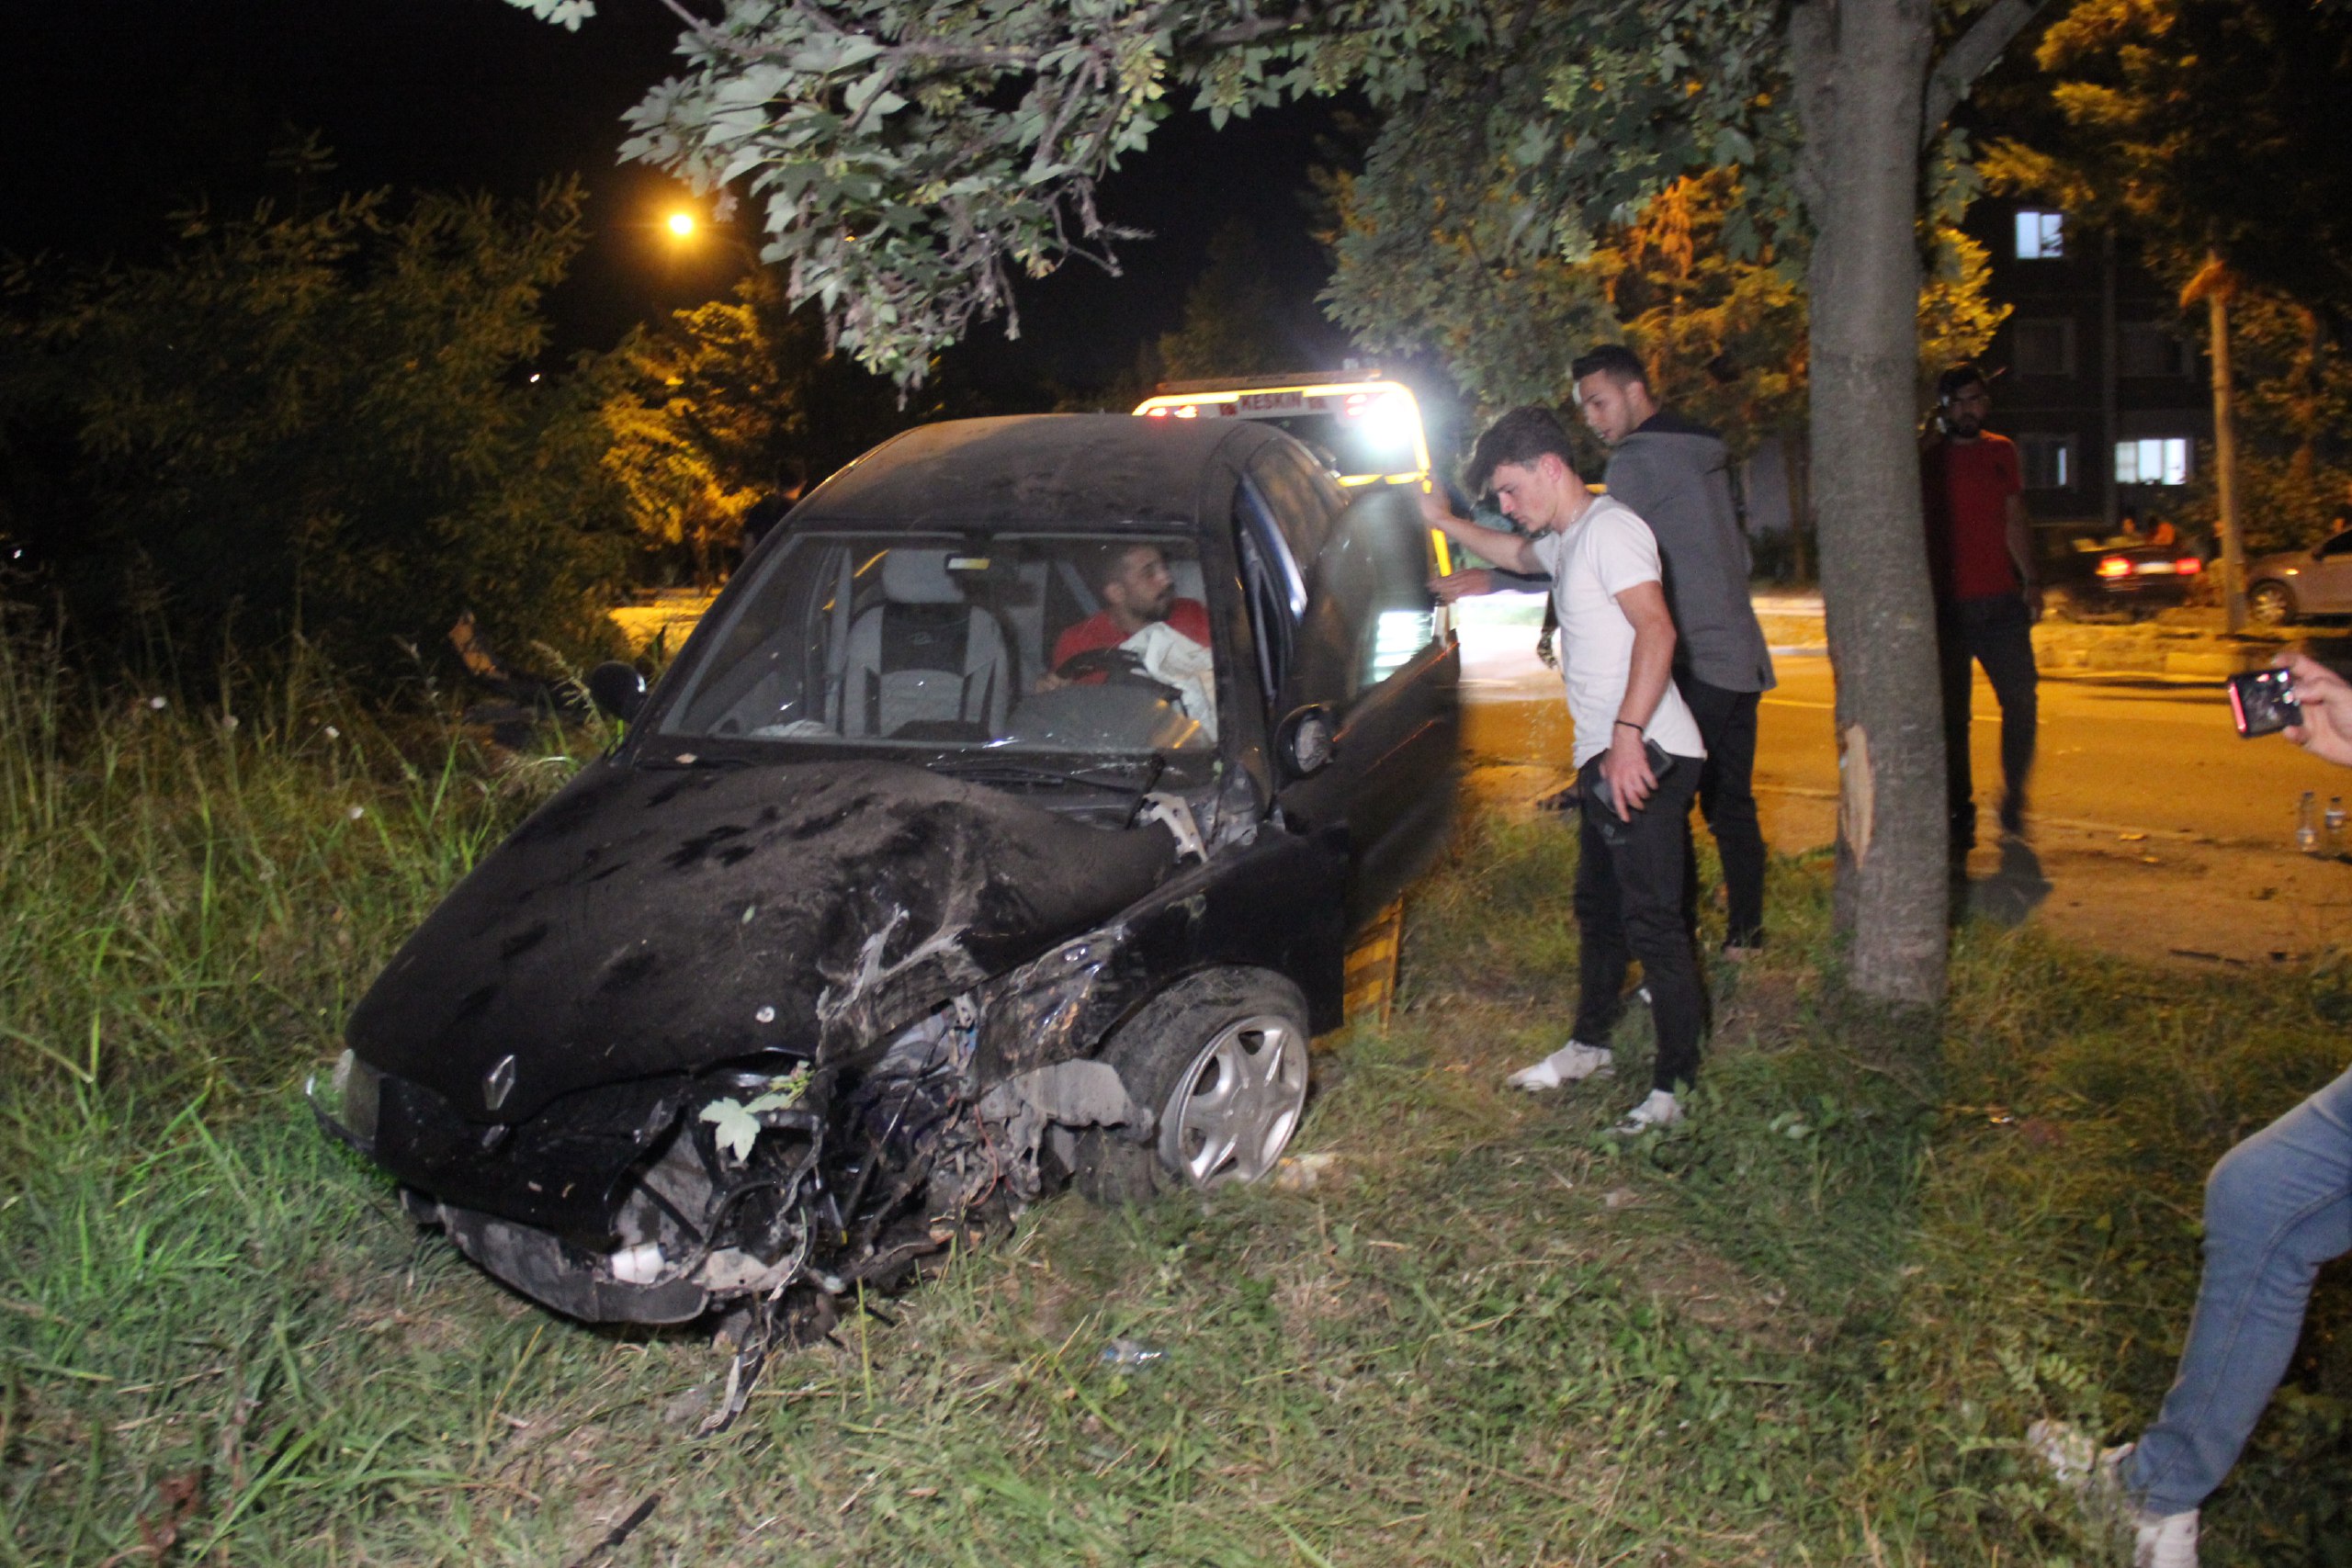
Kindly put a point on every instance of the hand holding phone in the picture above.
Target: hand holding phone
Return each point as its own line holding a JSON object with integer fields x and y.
{"x": 1598, "y": 794}
{"x": 2323, "y": 724}
{"x": 2262, "y": 702}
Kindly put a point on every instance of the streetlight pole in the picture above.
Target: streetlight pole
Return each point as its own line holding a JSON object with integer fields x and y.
{"x": 2215, "y": 281}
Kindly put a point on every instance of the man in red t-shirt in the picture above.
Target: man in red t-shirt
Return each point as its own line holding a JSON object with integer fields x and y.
{"x": 1980, "y": 551}
{"x": 1138, "y": 589}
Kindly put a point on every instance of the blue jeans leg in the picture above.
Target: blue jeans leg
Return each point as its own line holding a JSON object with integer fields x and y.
{"x": 2276, "y": 1207}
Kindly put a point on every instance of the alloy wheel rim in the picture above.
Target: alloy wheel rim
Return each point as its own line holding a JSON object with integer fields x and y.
{"x": 1238, "y": 1103}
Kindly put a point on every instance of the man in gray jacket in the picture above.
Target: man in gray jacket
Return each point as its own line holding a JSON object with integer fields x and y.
{"x": 1677, "y": 476}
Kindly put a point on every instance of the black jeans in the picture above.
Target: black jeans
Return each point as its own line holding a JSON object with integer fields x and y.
{"x": 1727, "y": 800}
{"x": 1998, "y": 633}
{"x": 1629, "y": 905}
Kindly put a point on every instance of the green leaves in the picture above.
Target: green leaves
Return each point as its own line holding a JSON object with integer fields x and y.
{"x": 909, "y": 155}
{"x": 737, "y": 1126}
{"x": 565, "y": 13}
{"x": 326, "y": 420}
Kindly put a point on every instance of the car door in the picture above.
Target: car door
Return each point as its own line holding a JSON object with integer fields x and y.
{"x": 2326, "y": 589}
{"x": 1368, "y": 646}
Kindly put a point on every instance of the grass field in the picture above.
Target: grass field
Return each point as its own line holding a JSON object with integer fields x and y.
{"x": 1808, "y": 1328}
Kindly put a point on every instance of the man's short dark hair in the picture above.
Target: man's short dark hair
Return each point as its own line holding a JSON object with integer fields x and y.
{"x": 1958, "y": 379}
{"x": 1107, "y": 562}
{"x": 1614, "y": 360}
{"x": 1518, "y": 437}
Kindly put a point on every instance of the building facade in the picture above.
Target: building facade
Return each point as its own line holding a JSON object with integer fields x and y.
{"x": 2098, "y": 375}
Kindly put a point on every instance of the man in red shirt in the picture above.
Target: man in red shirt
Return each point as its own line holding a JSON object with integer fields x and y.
{"x": 1138, "y": 589}
{"x": 1979, "y": 552}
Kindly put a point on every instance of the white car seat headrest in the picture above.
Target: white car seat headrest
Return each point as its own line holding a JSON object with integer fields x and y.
{"x": 919, "y": 577}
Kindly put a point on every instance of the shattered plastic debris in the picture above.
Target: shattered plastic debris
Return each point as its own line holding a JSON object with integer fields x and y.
{"x": 1130, "y": 1355}
{"x": 1304, "y": 1173}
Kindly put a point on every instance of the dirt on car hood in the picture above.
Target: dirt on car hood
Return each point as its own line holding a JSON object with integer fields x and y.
{"x": 651, "y": 920}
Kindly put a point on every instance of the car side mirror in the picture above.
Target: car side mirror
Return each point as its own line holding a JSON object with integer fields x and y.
{"x": 617, "y": 689}
{"x": 1306, "y": 742}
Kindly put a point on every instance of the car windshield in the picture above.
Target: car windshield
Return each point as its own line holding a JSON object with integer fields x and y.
{"x": 1045, "y": 642}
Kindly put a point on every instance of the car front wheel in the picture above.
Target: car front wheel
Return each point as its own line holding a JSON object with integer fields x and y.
{"x": 2271, "y": 604}
{"x": 1222, "y": 1058}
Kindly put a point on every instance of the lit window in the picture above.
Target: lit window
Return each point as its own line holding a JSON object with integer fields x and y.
{"x": 2041, "y": 236}
{"x": 2156, "y": 460}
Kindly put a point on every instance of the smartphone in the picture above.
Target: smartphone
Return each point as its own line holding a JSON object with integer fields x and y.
{"x": 1600, "y": 797}
{"x": 2262, "y": 702}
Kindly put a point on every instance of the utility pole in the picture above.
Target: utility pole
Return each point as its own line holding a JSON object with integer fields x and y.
{"x": 2214, "y": 281}
{"x": 2107, "y": 377}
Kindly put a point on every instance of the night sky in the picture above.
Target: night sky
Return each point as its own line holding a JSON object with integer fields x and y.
{"x": 114, "y": 113}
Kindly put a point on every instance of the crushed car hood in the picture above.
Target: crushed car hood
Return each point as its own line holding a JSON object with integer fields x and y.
{"x": 655, "y": 920}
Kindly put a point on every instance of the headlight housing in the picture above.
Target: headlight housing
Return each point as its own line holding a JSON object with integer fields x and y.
{"x": 348, "y": 1099}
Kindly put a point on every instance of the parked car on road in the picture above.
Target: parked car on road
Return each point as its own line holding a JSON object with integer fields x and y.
{"x": 921, "y": 884}
{"x": 2144, "y": 574}
{"x": 2286, "y": 587}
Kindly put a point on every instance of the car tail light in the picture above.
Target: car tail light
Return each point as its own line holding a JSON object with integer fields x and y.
{"x": 2188, "y": 566}
{"x": 2114, "y": 566}
{"x": 1156, "y": 414}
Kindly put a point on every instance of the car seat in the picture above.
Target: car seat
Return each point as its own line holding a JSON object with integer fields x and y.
{"x": 923, "y": 664}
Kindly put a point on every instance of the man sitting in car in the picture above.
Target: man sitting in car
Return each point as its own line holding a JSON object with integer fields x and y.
{"x": 1138, "y": 590}
{"x": 1168, "y": 636}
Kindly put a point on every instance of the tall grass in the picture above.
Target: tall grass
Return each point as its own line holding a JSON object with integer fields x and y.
{"x": 1808, "y": 1328}
{"x": 194, "y": 895}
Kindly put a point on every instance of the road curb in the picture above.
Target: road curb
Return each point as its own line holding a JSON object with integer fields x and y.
{"x": 1793, "y": 625}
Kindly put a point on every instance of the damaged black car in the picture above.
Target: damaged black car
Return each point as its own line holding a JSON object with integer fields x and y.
{"x": 1003, "y": 824}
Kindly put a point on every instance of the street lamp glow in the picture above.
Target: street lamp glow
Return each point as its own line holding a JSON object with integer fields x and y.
{"x": 681, "y": 224}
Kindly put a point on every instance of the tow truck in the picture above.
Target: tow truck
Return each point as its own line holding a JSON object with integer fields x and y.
{"x": 1364, "y": 426}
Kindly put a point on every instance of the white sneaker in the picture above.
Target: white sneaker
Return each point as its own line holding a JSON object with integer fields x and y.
{"x": 2165, "y": 1540}
{"x": 2095, "y": 1477}
{"x": 1572, "y": 1063}
{"x": 1661, "y": 1110}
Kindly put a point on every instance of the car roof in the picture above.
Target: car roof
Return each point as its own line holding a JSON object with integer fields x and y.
{"x": 1088, "y": 471}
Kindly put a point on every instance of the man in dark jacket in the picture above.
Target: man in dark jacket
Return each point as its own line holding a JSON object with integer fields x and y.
{"x": 1677, "y": 476}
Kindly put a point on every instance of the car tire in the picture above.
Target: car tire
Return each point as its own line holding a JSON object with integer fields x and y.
{"x": 2271, "y": 604}
{"x": 1221, "y": 1058}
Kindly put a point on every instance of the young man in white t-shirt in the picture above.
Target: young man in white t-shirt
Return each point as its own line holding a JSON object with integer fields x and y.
{"x": 1617, "y": 657}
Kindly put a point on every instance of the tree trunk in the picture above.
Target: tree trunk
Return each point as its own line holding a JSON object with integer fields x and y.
{"x": 1862, "y": 65}
{"x": 1795, "y": 460}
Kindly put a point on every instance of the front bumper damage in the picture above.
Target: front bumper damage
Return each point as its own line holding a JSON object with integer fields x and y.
{"x": 779, "y": 1182}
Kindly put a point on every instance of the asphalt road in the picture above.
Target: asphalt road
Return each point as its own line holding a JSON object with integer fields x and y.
{"x": 2154, "y": 828}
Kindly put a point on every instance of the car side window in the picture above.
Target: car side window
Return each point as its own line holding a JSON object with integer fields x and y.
{"x": 2339, "y": 546}
{"x": 1378, "y": 567}
{"x": 1303, "y": 510}
{"x": 1276, "y": 589}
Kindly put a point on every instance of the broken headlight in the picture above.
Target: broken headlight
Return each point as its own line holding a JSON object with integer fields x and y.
{"x": 348, "y": 1101}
